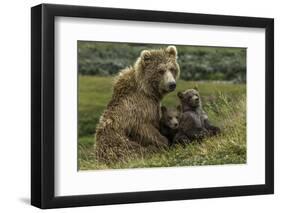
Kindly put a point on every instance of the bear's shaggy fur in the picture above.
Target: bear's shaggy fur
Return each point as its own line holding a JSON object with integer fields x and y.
{"x": 129, "y": 125}
{"x": 169, "y": 122}
{"x": 194, "y": 123}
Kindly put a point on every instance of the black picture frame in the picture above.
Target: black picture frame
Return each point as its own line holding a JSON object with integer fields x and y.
{"x": 43, "y": 102}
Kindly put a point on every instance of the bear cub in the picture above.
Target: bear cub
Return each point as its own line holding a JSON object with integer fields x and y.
{"x": 194, "y": 123}
{"x": 169, "y": 122}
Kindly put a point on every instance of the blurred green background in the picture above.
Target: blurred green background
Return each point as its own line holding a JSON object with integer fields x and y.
{"x": 197, "y": 63}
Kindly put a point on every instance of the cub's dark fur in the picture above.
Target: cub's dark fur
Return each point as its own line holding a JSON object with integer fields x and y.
{"x": 169, "y": 122}
{"x": 194, "y": 123}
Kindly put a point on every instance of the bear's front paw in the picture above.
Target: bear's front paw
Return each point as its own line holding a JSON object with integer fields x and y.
{"x": 163, "y": 143}
{"x": 181, "y": 140}
{"x": 185, "y": 140}
{"x": 217, "y": 130}
{"x": 214, "y": 130}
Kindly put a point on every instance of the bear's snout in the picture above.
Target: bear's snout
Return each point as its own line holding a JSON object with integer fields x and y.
{"x": 172, "y": 86}
{"x": 169, "y": 82}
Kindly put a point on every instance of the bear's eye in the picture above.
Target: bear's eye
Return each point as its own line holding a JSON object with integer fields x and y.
{"x": 173, "y": 70}
{"x": 170, "y": 118}
{"x": 161, "y": 71}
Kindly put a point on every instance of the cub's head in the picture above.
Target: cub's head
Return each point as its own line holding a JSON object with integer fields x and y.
{"x": 170, "y": 117}
{"x": 158, "y": 70}
{"x": 190, "y": 98}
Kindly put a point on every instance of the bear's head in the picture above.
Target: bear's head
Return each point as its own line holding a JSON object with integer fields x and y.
{"x": 157, "y": 71}
{"x": 170, "y": 117}
{"x": 190, "y": 99}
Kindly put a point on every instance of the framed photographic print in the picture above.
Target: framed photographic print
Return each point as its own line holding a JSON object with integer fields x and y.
{"x": 139, "y": 106}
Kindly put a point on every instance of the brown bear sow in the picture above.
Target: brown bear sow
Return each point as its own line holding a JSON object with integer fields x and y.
{"x": 130, "y": 124}
{"x": 194, "y": 123}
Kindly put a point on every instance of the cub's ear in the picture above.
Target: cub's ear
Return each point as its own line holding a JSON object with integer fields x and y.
{"x": 179, "y": 108}
{"x": 172, "y": 50}
{"x": 163, "y": 109}
{"x": 180, "y": 95}
{"x": 196, "y": 87}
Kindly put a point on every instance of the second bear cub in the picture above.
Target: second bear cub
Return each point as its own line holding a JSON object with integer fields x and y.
{"x": 194, "y": 123}
{"x": 169, "y": 122}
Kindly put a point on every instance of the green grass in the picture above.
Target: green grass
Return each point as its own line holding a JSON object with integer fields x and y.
{"x": 225, "y": 104}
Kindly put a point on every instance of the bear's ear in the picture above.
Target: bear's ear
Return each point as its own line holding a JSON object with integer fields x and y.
{"x": 196, "y": 87}
{"x": 180, "y": 95}
{"x": 163, "y": 109}
{"x": 172, "y": 50}
{"x": 145, "y": 56}
{"x": 179, "y": 108}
